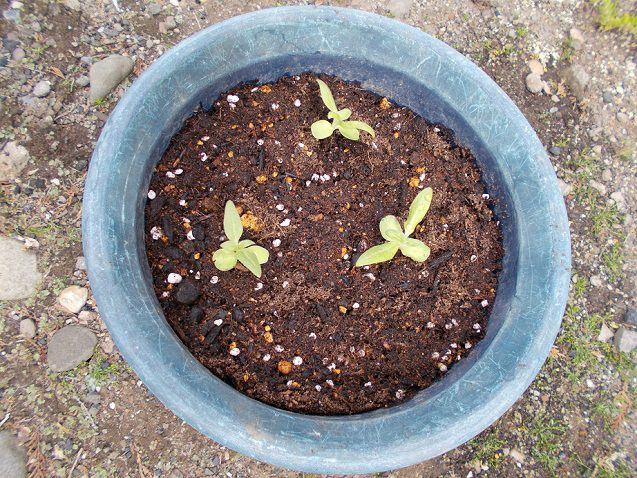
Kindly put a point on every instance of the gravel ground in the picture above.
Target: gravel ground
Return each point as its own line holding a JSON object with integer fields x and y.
{"x": 70, "y": 408}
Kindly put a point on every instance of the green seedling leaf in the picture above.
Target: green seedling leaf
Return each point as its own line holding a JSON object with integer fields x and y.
{"x": 418, "y": 209}
{"x": 397, "y": 239}
{"x": 229, "y": 245}
{"x": 233, "y": 250}
{"x": 381, "y": 253}
{"x": 326, "y": 96}
{"x": 348, "y": 131}
{"x": 341, "y": 115}
{"x": 232, "y": 226}
{"x": 363, "y": 127}
{"x": 224, "y": 259}
{"x": 261, "y": 253}
{"x": 322, "y": 129}
{"x": 250, "y": 260}
{"x": 390, "y": 229}
{"x": 415, "y": 249}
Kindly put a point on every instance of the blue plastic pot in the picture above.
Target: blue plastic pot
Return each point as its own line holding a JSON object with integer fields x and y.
{"x": 413, "y": 69}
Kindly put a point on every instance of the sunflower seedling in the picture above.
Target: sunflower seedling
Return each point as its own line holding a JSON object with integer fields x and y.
{"x": 322, "y": 129}
{"x": 233, "y": 250}
{"x": 397, "y": 239}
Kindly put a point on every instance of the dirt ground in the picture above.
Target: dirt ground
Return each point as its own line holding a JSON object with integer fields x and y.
{"x": 98, "y": 419}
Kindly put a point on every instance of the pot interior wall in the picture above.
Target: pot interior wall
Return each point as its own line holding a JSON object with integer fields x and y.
{"x": 400, "y": 89}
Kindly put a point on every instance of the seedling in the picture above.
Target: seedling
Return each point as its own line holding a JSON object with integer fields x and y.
{"x": 233, "y": 250}
{"x": 397, "y": 239}
{"x": 322, "y": 129}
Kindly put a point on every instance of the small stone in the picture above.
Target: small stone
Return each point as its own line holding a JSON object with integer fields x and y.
{"x": 555, "y": 150}
{"x": 622, "y": 117}
{"x": 168, "y": 24}
{"x": 19, "y": 276}
{"x": 399, "y": 8}
{"x": 577, "y": 78}
{"x": 596, "y": 281}
{"x": 618, "y": 197}
{"x": 42, "y": 88}
{"x": 285, "y": 222}
{"x": 599, "y": 187}
{"x": 12, "y": 457}
{"x": 73, "y": 5}
{"x": 284, "y": 367}
{"x": 69, "y": 347}
{"x": 87, "y": 316}
{"x": 80, "y": 263}
{"x": 73, "y": 298}
{"x": 536, "y": 67}
{"x": 174, "y": 278}
{"x": 187, "y": 293}
{"x": 534, "y": 83}
{"x": 106, "y": 74}
{"x": 13, "y": 160}
{"x": 82, "y": 81}
{"x": 565, "y": 187}
{"x": 607, "y": 175}
{"x": 518, "y": 456}
{"x": 154, "y": 9}
{"x": 18, "y": 54}
{"x": 605, "y": 334}
{"x": 625, "y": 340}
{"x": 630, "y": 317}
{"x": 276, "y": 242}
{"x": 27, "y": 328}
{"x": 107, "y": 345}
{"x": 297, "y": 361}
{"x": 607, "y": 96}
{"x": 175, "y": 473}
{"x": 577, "y": 39}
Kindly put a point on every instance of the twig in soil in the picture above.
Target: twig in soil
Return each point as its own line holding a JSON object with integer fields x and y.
{"x": 627, "y": 405}
{"x": 201, "y": 218}
{"x": 4, "y": 420}
{"x": 261, "y": 159}
{"x": 440, "y": 260}
{"x": 77, "y": 458}
{"x": 282, "y": 176}
{"x": 88, "y": 414}
{"x": 37, "y": 461}
{"x": 143, "y": 470}
{"x": 435, "y": 264}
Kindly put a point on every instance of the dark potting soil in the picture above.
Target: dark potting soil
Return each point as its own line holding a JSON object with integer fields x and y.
{"x": 315, "y": 334}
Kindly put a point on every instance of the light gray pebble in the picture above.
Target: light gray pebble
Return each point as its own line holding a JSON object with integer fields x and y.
{"x": 82, "y": 81}
{"x": 69, "y": 347}
{"x": 42, "y": 88}
{"x": 18, "y": 54}
{"x": 625, "y": 340}
{"x": 534, "y": 83}
{"x": 27, "y": 328}
{"x": 607, "y": 175}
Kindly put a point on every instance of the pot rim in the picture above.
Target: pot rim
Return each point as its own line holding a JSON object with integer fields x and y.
{"x": 462, "y": 404}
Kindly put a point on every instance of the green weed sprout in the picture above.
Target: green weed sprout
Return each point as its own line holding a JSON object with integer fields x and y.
{"x": 397, "y": 239}
{"x": 322, "y": 129}
{"x": 233, "y": 250}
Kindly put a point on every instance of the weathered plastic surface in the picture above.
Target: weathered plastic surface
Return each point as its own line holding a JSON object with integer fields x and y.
{"x": 413, "y": 69}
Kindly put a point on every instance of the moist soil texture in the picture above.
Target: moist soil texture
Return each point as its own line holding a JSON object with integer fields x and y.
{"x": 314, "y": 334}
